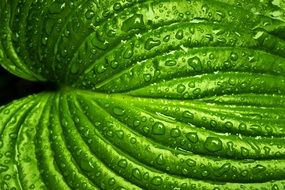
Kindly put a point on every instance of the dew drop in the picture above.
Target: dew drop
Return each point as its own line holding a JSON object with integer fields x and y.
{"x": 175, "y": 133}
{"x": 192, "y": 137}
{"x": 111, "y": 181}
{"x": 133, "y": 140}
{"x": 188, "y": 115}
{"x": 166, "y": 38}
{"x": 89, "y": 14}
{"x": 136, "y": 123}
{"x": 119, "y": 111}
{"x": 191, "y": 162}
{"x": 3, "y": 168}
{"x": 195, "y": 63}
{"x": 213, "y": 144}
{"x": 137, "y": 173}
{"x": 234, "y": 56}
{"x": 117, "y": 6}
{"x": 181, "y": 88}
{"x": 86, "y": 165}
{"x": 128, "y": 53}
{"x": 160, "y": 160}
{"x": 213, "y": 123}
{"x": 120, "y": 134}
{"x": 134, "y": 22}
{"x": 123, "y": 163}
{"x": 156, "y": 181}
{"x": 151, "y": 43}
{"x": 158, "y": 128}
{"x": 170, "y": 63}
{"x": 228, "y": 125}
{"x": 179, "y": 35}
{"x": 147, "y": 77}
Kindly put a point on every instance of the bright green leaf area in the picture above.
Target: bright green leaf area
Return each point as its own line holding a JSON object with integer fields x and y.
{"x": 153, "y": 94}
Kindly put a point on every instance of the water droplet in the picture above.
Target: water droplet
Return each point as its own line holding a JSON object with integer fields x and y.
{"x": 213, "y": 144}
{"x": 158, "y": 128}
{"x": 120, "y": 134}
{"x": 181, "y": 88}
{"x": 114, "y": 64}
{"x": 259, "y": 168}
{"x": 119, "y": 111}
{"x": 101, "y": 69}
{"x": 13, "y": 135}
{"x": 242, "y": 127}
{"x": 123, "y": 163}
{"x": 7, "y": 177}
{"x": 234, "y": 56}
{"x": 170, "y": 63}
{"x": 166, "y": 38}
{"x": 151, "y": 43}
{"x": 112, "y": 181}
{"x": 160, "y": 160}
{"x": 195, "y": 63}
{"x": 147, "y": 77}
{"x": 89, "y": 14}
{"x": 205, "y": 173}
{"x": 134, "y": 22}
{"x": 179, "y": 35}
{"x": 133, "y": 140}
{"x": 192, "y": 137}
{"x": 191, "y": 162}
{"x": 86, "y": 165}
{"x": 175, "y": 133}
{"x": 232, "y": 81}
{"x": 117, "y": 6}
{"x": 156, "y": 180}
{"x": 129, "y": 52}
{"x": 6, "y": 111}
{"x": 3, "y": 168}
{"x": 275, "y": 187}
{"x": 32, "y": 186}
{"x": 244, "y": 173}
{"x": 146, "y": 129}
{"x": 137, "y": 173}
{"x": 197, "y": 91}
{"x": 191, "y": 84}
{"x": 188, "y": 115}
{"x": 136, "y": 123}
{"x": 213, "y": 123}
{"x": 228, "y": 125}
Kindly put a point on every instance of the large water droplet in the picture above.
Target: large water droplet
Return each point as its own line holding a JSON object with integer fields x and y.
{"x": 89, "y": 14}
{"x": 158, "y": 128}
{"x": 192, "y": 137}
{"x": 188, "y": 115}
{"x": 180, "y": 88}
{"x": 137, "y": 173}
{"x": 213, "y": 144}
{"x": 170, "y": 63}
{"x": 195, "y": 63}
{"x": 179, "y": 35}
{"x": 175, "y": 133}
{"x": 156, "y": 180}
{"x": 122, "y": 163}
{"x": 160, "y": 160}
{"x": 134, "y": 22}
{"x": 151, "y": 43}
{"x": 119, "y": 111}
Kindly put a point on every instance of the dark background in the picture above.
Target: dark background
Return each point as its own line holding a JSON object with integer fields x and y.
{"x": 13, "y": 87}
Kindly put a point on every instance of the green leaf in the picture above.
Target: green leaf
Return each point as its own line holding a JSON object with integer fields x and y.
{"x": 170, "y": 94}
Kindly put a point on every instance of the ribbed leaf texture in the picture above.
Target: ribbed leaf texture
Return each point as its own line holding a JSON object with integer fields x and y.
{"x": 168, "y": 94}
